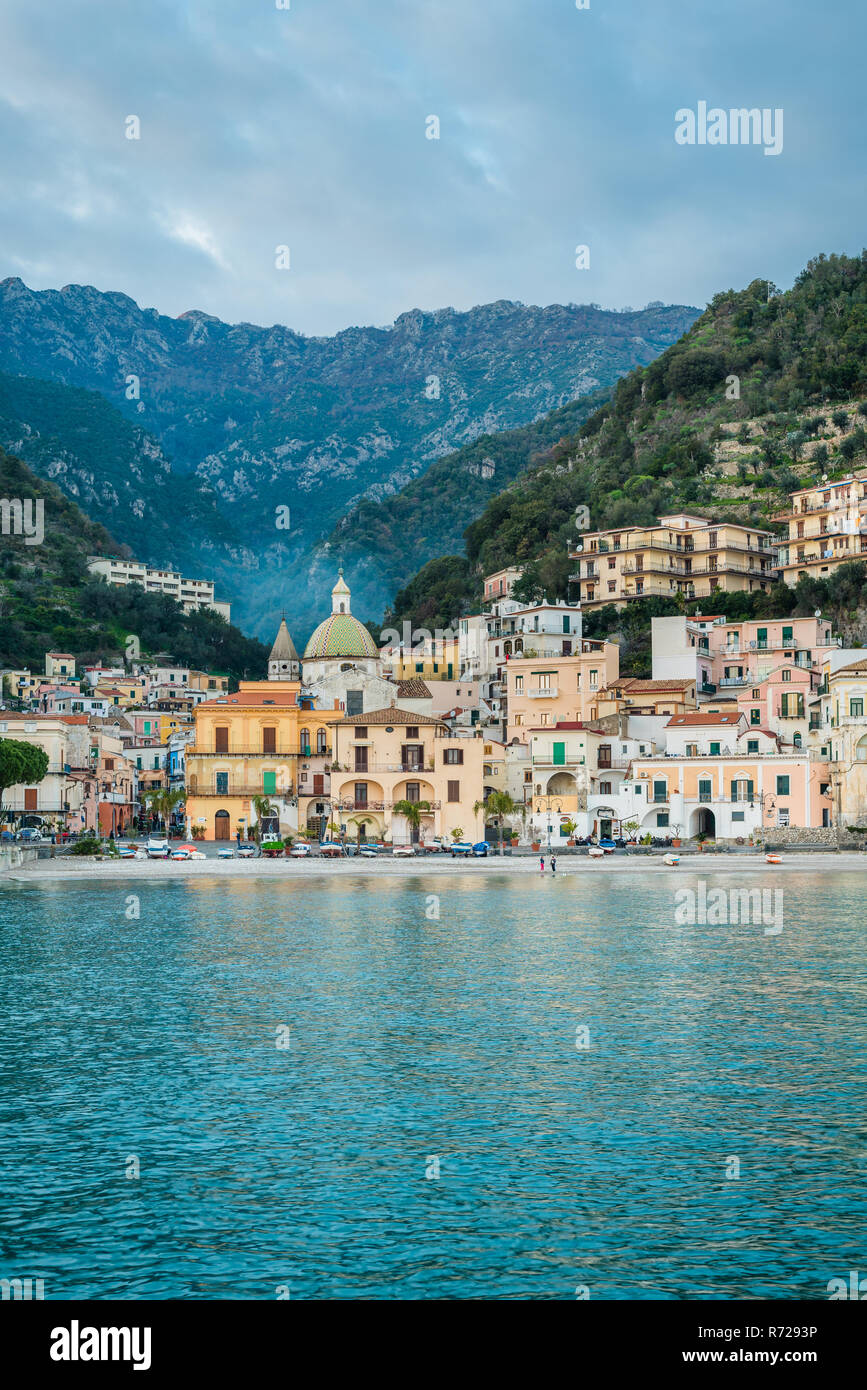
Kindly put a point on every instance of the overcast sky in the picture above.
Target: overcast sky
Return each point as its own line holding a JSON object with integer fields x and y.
{"x": 306, "y": 127}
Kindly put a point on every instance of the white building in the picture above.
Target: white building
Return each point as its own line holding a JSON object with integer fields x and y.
{"x": 191, "y": 594}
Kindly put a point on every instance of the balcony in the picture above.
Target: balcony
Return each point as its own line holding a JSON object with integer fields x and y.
{"x": 549, "y": 693}
{"x": 256, "y": 753}
{"x": 349, "y": 805}
{"x": 736, "y": 680}
{"x": 288, "y": 790}
{"x": 793, "y": 714}
{"x": 613, "y": 764}
{"x": 547, "y": 760}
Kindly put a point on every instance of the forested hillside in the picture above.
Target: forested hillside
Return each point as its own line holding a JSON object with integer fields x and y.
{"x": 764, "y": 393}
{"x": 48, "y": 599}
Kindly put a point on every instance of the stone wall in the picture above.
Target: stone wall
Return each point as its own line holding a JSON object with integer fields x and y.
{"x": 781, "y": 836}
{"x": 16, "y": 856}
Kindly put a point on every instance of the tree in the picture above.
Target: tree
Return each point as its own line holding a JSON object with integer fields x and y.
{"x": 20, "y": 763}
{"x": 359, "y": 822}
{"x": 262, "y": 806}
{"x": 162, "y": 802}
{"x": 496, "y": 806}
{"x": 411, "y": 811}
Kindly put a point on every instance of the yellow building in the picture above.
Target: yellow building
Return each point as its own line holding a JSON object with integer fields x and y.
{"x": 124, "y": 691}
{"x": 825, "y": 529}
{"x": 840, "y": 736}
{"x": 260, "y": 741}
{"x": 391, "y": 755}
{"x": 683, "y": 554}
{"x": 59, "y": 666}
{"x": 432, "y": 659}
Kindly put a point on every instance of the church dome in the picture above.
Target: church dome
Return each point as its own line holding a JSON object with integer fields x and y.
{"x": 340, "y": 635}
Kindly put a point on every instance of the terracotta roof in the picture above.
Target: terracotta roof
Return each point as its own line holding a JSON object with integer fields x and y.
{"x": 694, "y": 719}
{"x": 414, "y": 689}
{"x": 280, "y": 700}
{"x": 392, "y": 715}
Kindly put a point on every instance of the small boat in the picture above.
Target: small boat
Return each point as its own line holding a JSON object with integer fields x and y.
{"x": 595, "y": 852}
{"x": 773, "y": 859}
{"x": 671, "y": 860}
{"x": 157, "y": 849}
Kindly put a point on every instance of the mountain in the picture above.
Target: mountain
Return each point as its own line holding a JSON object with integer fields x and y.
{"x": 764, "y": 393}
{"x": 49, "y": 600}
{"x": 266, "y": 419}
{"x": 118, "y": 473}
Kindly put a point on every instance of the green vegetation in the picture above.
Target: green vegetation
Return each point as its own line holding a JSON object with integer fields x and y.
{"x": 20, "y": 763}
{"x": 48, "y": 599}
{"x": 744, "y": 408}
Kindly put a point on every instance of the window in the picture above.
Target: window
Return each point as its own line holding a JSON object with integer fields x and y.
{"x": 545, "y": 680}
{"x": 787, "y": 636}
{"x": 354, "y": 703}
{"x": 752, "y": 745}
{"x": 222, "y": 783}
{"x": 361, "y": 731}
{"x": 269, "y": 740}
{"x": 786, "y": 676}
{"x": 660, "y": 791}
{"x": 221, "y": 739}
{"x": 360, "y": 794}
{"x": 756, "y": 695}
{"x": 109, "y": 764}
{"x": 519, "y": 685}
{"x": 305, "y": 742}
{"x": 411, "y": 731}
{"x": 558, "y": 757}
{"x": 605, "y": 789}
{"x": 454, "y": 791}
{"x": 738, "y": 815}
{"x": 594, "y": 679}
{"x": 705, "y": 789}
{"x": 269, "y": 783}
{"x": 714, "y": 750}
{"x": 782, "y": 786}
{"x": 755, "y": 716}
{"x": 692, "y": 750}
{"x": 662, "y": 819}
{"x": 856, "y": 709}
{"x": 453, "y": 756}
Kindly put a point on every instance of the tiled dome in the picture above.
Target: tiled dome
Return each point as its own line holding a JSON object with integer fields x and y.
{"x": 340, "y": 635}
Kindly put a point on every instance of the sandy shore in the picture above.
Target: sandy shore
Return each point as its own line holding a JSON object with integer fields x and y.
{"x": 63, "y": 869}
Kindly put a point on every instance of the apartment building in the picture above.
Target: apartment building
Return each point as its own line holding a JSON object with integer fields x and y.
{"x": 726, "y": 656}
{"x": 682, "y": 554}
{"x": 548, "y": 691}
{"x": 839, "y": 732}
{"x": 89, "y": 782}
{"x": 827, "y": 527}
{"x": 395, "y": 755}
{"x": 191, "y": 594}
{"x": 260, "y": 741}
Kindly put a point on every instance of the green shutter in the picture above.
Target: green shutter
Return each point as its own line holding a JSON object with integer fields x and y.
{"x": 269, "y": 783}
{"x": 787, "y": 635}
{"x": 559, "y": 754}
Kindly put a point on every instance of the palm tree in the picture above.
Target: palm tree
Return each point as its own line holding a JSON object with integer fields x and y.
{"x": 358, "y": 822}
{"x": 411, "y": 811}
{"x": 496, "y": 806}
{"x": 262, "y": 806}
{"x": 162, "y": 802}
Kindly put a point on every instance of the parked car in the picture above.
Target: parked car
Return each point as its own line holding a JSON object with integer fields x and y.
{"x": 461, "y": 847}
{"x": 480, "y": 850}
{"x": 403, "y": 851}
{"x": 300, "y": 851}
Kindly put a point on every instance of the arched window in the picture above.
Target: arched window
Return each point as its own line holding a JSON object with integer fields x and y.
{"x": 797, "y": 740}
{"x": 305, "y": 742}
{"x": 321, "y": 741}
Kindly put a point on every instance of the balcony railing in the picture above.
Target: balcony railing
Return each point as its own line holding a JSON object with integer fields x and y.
{"x": 350, "y": 805}
{"x": 791, "y": 714}
{"x": 550, "y": 693}
{"x": 258, "y": 753}
{"x": 613, "y": 764}
{"x": 287, "y": 790}
{"x": 736, "y": 680}
{"x": 547, "y": 760}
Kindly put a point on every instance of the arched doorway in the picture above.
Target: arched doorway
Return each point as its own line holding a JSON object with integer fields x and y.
{"x": 222, "y": 827}
{"x": 704, "y": 823}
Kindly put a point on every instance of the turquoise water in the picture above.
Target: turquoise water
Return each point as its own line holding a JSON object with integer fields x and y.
{"x": 303, "y": 1166}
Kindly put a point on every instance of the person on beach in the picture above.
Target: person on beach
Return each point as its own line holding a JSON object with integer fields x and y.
{"x": 542, "y": 864}
{"x": 553, "y": 864}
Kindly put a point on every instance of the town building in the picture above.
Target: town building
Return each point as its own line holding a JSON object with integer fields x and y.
{"x": 682, "y": 554}
{"x": 720, "y": 655}
{"x": 191, "y": 594}
{"x": 547, "y": 691}
{"x": 395, "y": 755}
{"x": 827, "y": 528}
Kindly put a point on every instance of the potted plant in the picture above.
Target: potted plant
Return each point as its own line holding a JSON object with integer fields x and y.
{"x": 570, "y": 828}
{"x": 675, "y": 836}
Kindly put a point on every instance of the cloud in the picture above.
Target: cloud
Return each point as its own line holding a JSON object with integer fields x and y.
{"x": 306, "y": 127}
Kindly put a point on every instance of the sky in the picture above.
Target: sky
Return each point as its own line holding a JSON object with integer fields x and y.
{"x": 307, "y": 127}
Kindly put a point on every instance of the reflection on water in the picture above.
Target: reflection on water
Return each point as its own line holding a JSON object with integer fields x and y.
{"x": 410, "y": 1038}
